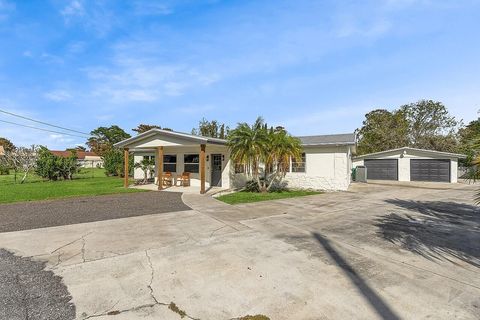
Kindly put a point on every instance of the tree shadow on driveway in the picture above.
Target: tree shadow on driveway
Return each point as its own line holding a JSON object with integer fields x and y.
{"x": 377, "y": 303}
{"x": 436, "y": 230}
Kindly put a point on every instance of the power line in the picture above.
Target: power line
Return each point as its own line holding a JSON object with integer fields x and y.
{"x": 41, "y": 122}
{"x": 52, "y": 131}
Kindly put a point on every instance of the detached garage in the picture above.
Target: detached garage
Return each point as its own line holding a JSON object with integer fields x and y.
{"x": 410, "y": 164}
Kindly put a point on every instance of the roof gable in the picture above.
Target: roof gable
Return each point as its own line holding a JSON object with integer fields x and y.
{"x": 159, "y": 137}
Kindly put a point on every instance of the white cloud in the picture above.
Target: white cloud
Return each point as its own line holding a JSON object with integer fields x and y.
{"x": 152, "y": 8}
{"x": 76, "y": 47}
{"x": 139, "y": 76}
{"x": 74, "y": 8}
{"x": 6, "y": 8}
{"x": 58, "y": 95}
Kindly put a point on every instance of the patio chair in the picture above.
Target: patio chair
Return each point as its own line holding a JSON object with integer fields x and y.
{"x": 167, "y": 179}
{"x": 184, "y": 179}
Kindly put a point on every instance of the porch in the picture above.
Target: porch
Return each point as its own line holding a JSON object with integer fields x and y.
{"x": 204, "y": 160}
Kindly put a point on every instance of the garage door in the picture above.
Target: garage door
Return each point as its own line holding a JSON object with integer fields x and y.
{"x": 382, "y": 169}
{"x": 430, "y": 170}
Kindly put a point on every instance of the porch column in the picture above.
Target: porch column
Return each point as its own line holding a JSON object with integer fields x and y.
{"x": 160, "y": 167}
{"x": 202, "y": 169}
{"x": 125, "y": 167}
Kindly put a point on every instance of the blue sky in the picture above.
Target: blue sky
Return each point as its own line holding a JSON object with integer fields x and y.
{"x": 315, "y": 67}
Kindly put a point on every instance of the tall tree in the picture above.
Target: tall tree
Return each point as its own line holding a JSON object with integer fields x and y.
{"x": 141, "y": 128}
{"x": 469, "y": 137}
{"x": 382, "y": 130}
{"x": 211, "y": 129}
{"x": 431, "y": 126}
{"x": 103, "y": 138}
{"x": 6, "y": 144}
{"x": 425, "y": 124}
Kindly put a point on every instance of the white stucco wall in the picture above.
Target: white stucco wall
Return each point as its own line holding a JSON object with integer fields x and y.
{"x": 327, "y": 168}
{"x": 404, "y": 162}
{"x": 180, "y": 151}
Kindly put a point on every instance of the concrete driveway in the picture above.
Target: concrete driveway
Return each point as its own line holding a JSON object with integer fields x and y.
{"x": 375, "y": 252}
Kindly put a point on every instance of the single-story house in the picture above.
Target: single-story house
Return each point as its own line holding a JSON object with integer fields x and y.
{"x": 410, "y": 164}
{"x": 86, "y": 159}
{"x": 326, "y": 160}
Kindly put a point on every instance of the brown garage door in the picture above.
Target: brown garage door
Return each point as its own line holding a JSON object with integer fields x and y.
{"x": 382, "y": 169}
{"x": 437, "y": 170}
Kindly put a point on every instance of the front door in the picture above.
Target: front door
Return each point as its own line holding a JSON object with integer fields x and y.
{"x": 216, "y": 170}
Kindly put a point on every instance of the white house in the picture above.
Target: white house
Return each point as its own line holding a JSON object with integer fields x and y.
{"x": 410, "y": 164}
{"x": 85, "y": 159}
{"x": 326, "y": 161}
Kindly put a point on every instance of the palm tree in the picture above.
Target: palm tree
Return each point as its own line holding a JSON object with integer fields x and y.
{"x": 282, "y": 148}
{"x": 248, "y": 146}
{"x": 256, "y": 145}
{"x": 147, "y": 165}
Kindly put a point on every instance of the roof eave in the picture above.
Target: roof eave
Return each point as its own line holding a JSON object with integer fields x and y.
{"x": 449, "y": 154}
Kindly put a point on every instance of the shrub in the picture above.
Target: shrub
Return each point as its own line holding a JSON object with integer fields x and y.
{"x": 251, "y": 186}
{"x": 113, "y": 163}
{"x": 4, "y": 170}
{"x": 52, "y": 167}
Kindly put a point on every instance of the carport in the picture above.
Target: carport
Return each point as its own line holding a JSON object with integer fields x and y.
{"x": 410, "y": 164}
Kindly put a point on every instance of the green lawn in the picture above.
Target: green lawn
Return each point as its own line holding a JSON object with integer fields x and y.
{"x": 247, "y": 197}
{"x": 88, "y": 182}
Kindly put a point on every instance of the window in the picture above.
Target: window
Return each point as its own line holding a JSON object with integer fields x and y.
{"x": 191, "y": 162}
{"x": 170, "y": 163}
{"x": 149, "y": 158}
{"x": 239, "y": 168}
{"x": 299, "y": 166}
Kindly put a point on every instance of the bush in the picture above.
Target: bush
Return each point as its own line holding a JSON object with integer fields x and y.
{"x": 4, "y": 170}
{"x": 113, "y": 163}
{"x": 52, "y": 167}
{"x": 251, "y": 186}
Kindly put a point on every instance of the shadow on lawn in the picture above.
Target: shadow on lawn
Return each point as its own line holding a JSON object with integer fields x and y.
{"x": 434, "y": 229}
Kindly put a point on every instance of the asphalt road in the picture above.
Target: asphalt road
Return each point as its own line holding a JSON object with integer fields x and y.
{"x": 41, "y": 214}
{"x": 27, "y": 291}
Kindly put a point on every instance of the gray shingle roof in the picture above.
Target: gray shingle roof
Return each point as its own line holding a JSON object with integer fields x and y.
{"x": 333, "y": 139}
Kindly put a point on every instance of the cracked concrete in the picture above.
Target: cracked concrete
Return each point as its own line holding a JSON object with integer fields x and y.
{"x": 336, "y": 255}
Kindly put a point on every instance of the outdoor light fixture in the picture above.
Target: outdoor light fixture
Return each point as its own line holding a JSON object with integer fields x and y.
{"x": 223, "y": 157}
{"x": 207, "y": 157}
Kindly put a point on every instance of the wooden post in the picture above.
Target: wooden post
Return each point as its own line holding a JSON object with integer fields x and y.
{"x": 202, "y": 169}
{"x": 160, "y": 167}
{"x": 125, "y": 159}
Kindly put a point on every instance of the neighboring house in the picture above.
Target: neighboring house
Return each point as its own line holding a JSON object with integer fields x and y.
{"x": 410, "y": 164}
{"x": 326, "y": 159}
{"x": 2, "y": 151}
{"x": 86, "y": 159}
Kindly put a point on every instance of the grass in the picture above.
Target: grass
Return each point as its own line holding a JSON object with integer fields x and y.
{"x": 247, "y": 197}
{"x": 86, "y": 183}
